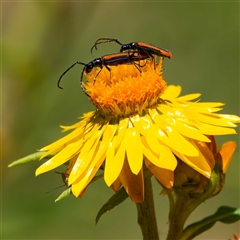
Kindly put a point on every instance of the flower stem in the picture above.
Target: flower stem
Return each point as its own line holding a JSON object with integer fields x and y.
{"x": 146, "y": 211}
{"x": 178, "y": 215}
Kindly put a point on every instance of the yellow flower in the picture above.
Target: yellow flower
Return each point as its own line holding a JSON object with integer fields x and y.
{"x": 138, "y": 120}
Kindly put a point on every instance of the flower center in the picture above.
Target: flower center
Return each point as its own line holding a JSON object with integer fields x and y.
{"x": 128, "y": 89}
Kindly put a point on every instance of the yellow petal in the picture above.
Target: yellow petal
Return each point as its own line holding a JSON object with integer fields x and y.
{"x": 142, "y": 124}
{"x": 76, "y": 125}
{"x": 120, "y": 132}
{"x": 208, "y": 104}
{"x": 168, "y": 111}
{"x": 82, "y": 182}
{"x": 133, "y": 147}
{"x": 171, "y": 92}
{"x": 148, "y": 153}
{"x": 205, "y": 152}
{"x": 181, "y": 143}
{"x": 109, "y": 177}
{"x": 196, "y": 107}
{"x": 68, "y": 152}
{"x": 63, "y": 141}
{"x": 79, "y": 185}
{"x": 79, "y": 134}
{"x": 153, "y": 144}
{"x": 85, "y": 157}
{"x": 189, "y": 97}
{"x": 214, "y": 130}
{"x": 89, "y": 152}
{"x": 109, "y": 133}
{"x": 172, "y": 138}
{"x": 104, "y": 143}
{"x": 144, "y": 127}
{"x": 211, "y": 118}
{"x": 89, "y": 144}
{"x": 113, "y": 165}
{"x": 167, "y": 158}
{"x": 165, "y": 176}
{"x": 163, "y": 160}
{"x": 232, "y": 118}
{"x": 187, "y": 130}
{"x": 226, "y": 151}
{"x": 199, "y": 163}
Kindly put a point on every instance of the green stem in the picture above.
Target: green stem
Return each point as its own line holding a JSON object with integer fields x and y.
{"x": 178, "y": 215}
{"x": 146, "y": 211}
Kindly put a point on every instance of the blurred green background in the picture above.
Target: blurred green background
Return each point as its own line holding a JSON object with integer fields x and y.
{"x": 40, "y": 40}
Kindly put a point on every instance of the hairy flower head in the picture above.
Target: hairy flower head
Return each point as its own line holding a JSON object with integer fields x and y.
{"x": 138, "y": 120}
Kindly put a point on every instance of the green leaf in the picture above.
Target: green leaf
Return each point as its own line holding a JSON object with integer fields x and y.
{"x": 115, "y": 200}
{"x": 224, "y": 214}
{"x": 30, "y": 158}
{"x": 64, "y": 194}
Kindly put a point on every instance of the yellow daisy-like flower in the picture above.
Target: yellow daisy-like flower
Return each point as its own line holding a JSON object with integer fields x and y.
{"x": 138, "y": 120}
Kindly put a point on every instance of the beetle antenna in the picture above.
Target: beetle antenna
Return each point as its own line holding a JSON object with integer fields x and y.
{"x": 59, "y": 80}
{"x": 54, "y": 189}
{"x": 104, "y": 40}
